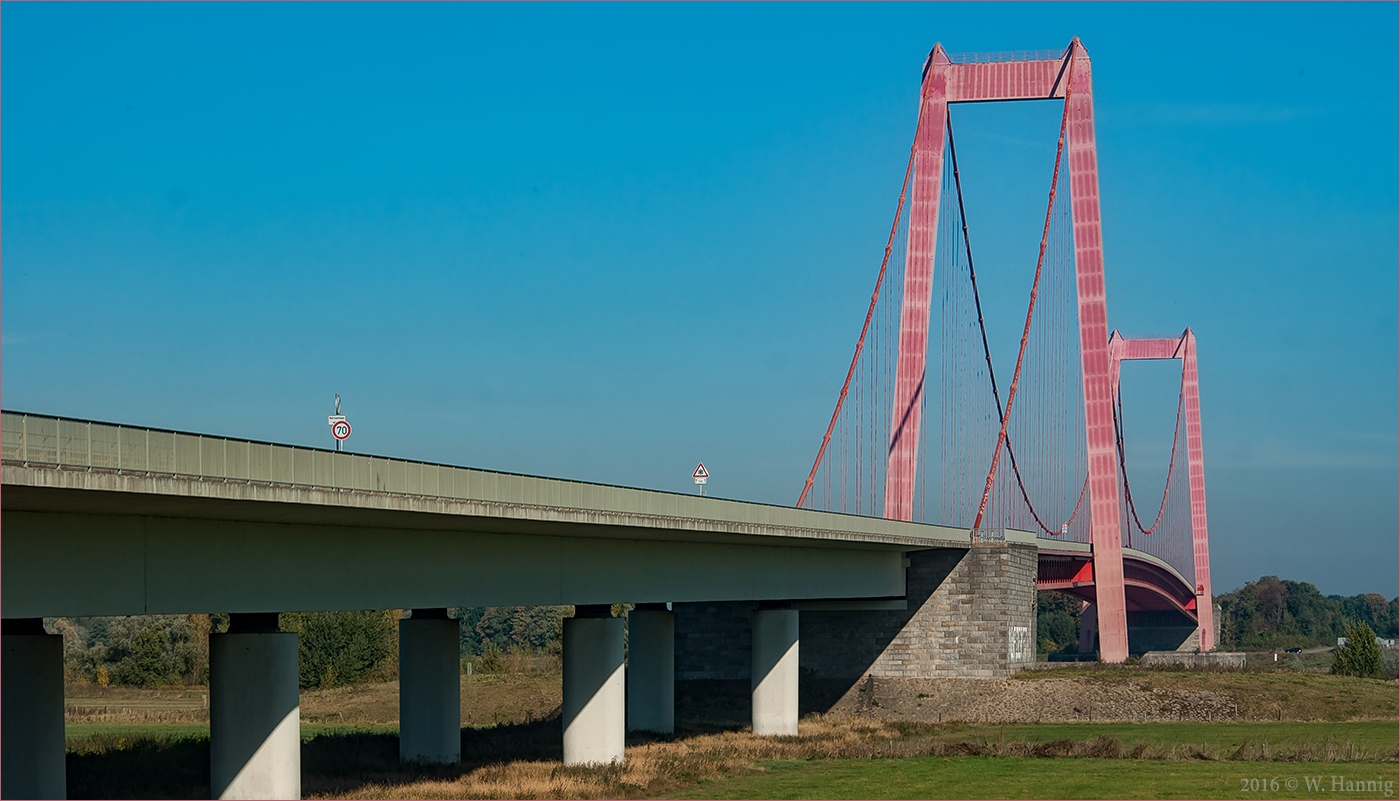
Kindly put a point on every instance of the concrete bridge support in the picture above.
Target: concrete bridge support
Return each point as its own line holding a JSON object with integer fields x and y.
{"x": 651, "y": 669}
{"x": 1162, "y": 631}
{"x": 966, "y": 612}
{"x": 254, "y": 711}
{"x": 595, "y": 701}
{"x": 32, "y": 764}
{"x": 1088, "y": 628}
{"x": 774, "y": 674}
{"x": 430, "y": 689}
{"x": 969, "y": 613}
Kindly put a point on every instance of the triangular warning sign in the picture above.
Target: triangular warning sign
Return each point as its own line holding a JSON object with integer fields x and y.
{"x": 700, "y": 471}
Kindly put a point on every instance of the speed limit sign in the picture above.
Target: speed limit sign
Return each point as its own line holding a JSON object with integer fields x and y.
{"x": 340, "y": 429}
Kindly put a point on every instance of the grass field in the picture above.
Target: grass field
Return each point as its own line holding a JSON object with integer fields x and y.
{"x": 839, "y": 758}
{"x": 124, "y": 742}
{"x": 1210, "y": 738}
{"x": 1002, "y": 777}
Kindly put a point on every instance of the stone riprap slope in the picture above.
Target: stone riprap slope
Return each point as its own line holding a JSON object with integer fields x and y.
{"x": 1124, "y": 696}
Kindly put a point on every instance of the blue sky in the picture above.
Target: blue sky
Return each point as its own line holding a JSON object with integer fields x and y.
{"x": 605, "y": 241}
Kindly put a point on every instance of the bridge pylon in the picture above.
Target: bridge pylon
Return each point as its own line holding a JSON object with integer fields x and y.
{"x": 1069, "y": 77}
{"x": 1061, "y": 481}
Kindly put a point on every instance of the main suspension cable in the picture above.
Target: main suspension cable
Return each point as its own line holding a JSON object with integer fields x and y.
{"x": 982, "y": 326}
{"x": 1123, "y": 466}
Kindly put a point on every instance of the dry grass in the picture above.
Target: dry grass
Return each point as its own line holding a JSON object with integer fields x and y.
{"x": 491, "y": 699}
{"x": 661, "y": 767}
{"x": 93, "y": 704}
{"x": 487, "y": 700}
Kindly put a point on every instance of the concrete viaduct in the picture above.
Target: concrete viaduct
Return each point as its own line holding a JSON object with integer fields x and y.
{"x": 104, "y": 519}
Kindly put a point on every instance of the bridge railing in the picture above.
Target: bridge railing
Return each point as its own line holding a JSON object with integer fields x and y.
{"x": 988, "y": 535}
{"x": 43, "y": 440}
{"x": 998, "y": 57}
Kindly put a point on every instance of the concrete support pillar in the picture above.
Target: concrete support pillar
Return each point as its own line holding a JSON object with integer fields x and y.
{"x": 32, "y": 761}
{"x": 651, "y": 670}
{"x": 1088, "y": 627}
{"x": 774, "y": 673}
{"x": 595, "y": 701}
{"x": 430, "y": 689}
{"x": 254, "y": 711}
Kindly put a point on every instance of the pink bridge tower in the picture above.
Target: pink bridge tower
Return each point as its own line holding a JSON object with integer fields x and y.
{"x": 945, "y": 82}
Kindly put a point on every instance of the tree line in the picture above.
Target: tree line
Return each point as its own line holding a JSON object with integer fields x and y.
{"x": 335, "y": 648}
{"x": 1264, "y": 614}
{"x": 1278, "y": 613}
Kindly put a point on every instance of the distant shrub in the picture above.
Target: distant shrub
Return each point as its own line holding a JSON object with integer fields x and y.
{"x": 1361, "y": 656}
{"x": 531, "y": 628}
{"x": 140, "y": 650}
{"x": 1390, "y": 664}
{"x": 492, "y": 659}
{"x": 338, "y": 648}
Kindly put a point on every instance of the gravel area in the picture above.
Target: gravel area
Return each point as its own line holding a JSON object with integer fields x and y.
{"x": 1046, "y": 700}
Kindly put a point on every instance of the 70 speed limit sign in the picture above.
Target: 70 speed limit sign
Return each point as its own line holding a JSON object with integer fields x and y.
{"x": 340, "y": 427}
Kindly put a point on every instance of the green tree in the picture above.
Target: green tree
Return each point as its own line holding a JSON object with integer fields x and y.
{"x": 142, "y": 650}
{"x": 1361, "y": 656}
{"x": 510, "y": 628}
{"x": 467, "y": 618}
{"x": 1371, "y": 609}
{"x": 1278, "y": 613}
{"x": 154, "y": 651}
{"x": 1057, "y": 621}
{"x": 337, "y": 648}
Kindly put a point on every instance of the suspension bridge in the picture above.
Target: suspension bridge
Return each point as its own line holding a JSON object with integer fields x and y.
{"x": 945, "y": 490}
{"x": 927, "y": 429}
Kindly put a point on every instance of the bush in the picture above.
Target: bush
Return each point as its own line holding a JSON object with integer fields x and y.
{"x": 337, "y": 648}
{"x": 141, "y": 650}
{"x": 531, "y": 628}
{"x": 1361, "y": 656}
{"x": 1390, "y": 664}
{"x": 492, "y": 659}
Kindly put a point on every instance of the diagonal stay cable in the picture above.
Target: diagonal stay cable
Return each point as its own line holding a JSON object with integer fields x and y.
{"x": 874, "y": 299}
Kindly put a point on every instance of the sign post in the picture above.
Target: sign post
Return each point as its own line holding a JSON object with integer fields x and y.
{"x": 340, "y": 427}
{"x": 701, "y": 475}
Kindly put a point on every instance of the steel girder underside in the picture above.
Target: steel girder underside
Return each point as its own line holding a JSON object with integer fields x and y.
{"x": 1147, "y": 586}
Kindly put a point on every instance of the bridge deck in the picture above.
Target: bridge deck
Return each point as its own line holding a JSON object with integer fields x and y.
{"x": 110, "y": 519}
{"x": 104, "y": 519}
{"x": 56, "y": 464}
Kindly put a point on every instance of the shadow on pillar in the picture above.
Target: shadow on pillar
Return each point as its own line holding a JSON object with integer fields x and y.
{"x": 254, "y": 711}
{"x": 430, "y": 689}
{"x": 1166, "y": 630}
{"x": 594, "y": 709}
{"x": 774, "y": 672}
{"x": 31, "y": 725}
{"x": 335, "y": 764}
{"x": 1089, "y": 628}
{"x": 651, "y": 670}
